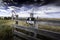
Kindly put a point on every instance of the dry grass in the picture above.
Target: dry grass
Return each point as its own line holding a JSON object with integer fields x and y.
{"x": 6, "y": 32}
{"x": 46, "y": 27}
{"x": 6, "y": 29}
{"x": 23, "y": 23}
{"x": 45, "y": 19}
{"x": 6, "y": 22}
{"x": 50, "y": 28}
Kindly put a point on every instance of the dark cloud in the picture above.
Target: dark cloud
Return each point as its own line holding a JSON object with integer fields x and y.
{"x": 57, "y": 3}
{"x": 54, "y": 2}
{"x": 29, "y": 1}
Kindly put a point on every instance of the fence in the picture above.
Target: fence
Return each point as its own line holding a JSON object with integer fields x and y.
{"x": 29, "y": 33}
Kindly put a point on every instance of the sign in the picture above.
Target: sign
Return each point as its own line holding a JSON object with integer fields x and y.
{"x": 30, "y": 20}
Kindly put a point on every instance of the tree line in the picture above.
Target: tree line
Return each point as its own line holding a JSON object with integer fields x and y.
{"x": 5, "y": 18}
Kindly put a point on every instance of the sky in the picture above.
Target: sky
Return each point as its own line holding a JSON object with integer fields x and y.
{"x": 51, "y": 10}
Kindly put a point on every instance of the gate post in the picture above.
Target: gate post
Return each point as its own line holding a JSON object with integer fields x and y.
{"x": 36, "y": 23}
{"x": 16, "y": 22}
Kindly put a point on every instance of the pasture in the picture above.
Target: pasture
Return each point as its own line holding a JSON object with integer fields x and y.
{"x": 6, "y": 28}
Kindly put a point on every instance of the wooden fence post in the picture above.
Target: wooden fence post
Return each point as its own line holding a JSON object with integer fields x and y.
{"x": 16, "y": 20}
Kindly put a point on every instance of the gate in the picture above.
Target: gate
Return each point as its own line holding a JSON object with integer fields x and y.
{"x": 29, "y": 33}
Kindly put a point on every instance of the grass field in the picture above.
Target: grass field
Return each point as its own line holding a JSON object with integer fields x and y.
{"x": 6, "y": 28}
{"x": 50, "y": 28}
{"x": 6, "y": 32}
{"x": 6, "y": 22}
{"x": 23, "y": 23}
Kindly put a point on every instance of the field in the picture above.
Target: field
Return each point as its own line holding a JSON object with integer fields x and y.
{"x": 23, "y": 23}
{"x": 6, "y": 32}
{"x": 6, "y": 28}
{"x": 50, "y": 28}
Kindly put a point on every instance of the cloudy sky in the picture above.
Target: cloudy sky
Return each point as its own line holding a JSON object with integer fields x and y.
{"x": 51, "y": 10}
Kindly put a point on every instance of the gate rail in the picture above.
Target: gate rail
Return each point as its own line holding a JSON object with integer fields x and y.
{"x": 35, "y": 34}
